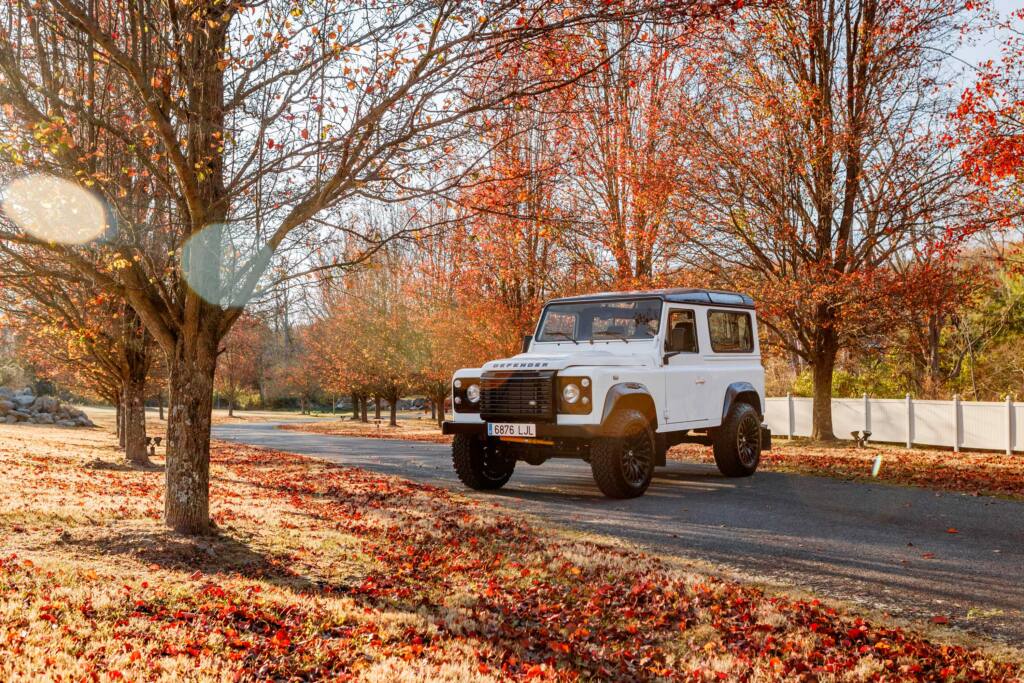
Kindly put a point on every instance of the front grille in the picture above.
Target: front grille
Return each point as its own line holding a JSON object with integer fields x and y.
{"x": 520, "y": 396}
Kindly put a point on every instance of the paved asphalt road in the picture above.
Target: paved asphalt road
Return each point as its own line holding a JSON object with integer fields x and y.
{"x": 883, "y": 546}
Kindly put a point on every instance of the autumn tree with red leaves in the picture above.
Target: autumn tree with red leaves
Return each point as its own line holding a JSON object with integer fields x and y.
{"x": 821, "y": 165}
{"x": 466, "y": 312}
{"x": 990, "y": 132}
{"x": 237, "y": 367}
{"x": 626, "y": 124}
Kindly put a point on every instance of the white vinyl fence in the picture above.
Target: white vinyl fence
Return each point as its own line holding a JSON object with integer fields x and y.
{"x": 988, "y": 425}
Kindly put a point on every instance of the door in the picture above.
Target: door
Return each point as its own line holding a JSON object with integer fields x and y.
{"x": 686, "y": 381}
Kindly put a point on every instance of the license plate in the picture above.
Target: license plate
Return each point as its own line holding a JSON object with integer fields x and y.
{"x": 511, "y": 429}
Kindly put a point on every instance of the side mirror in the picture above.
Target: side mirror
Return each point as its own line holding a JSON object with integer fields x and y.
{"x": 527, "y": 340}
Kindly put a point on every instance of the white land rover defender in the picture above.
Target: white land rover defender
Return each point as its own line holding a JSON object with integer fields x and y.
{"x": 617, "y": 379}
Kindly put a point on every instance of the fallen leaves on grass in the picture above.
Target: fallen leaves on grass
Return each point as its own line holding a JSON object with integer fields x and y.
{"x": 323, "y": 572}
{"x": 990, "y": 474}
{"x": 407, "y": 430}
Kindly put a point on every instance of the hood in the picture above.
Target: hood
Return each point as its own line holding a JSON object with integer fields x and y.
{"x": 560, "y": 361}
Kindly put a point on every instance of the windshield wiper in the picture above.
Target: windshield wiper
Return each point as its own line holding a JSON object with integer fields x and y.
{"x": 563, "y": 334}
{"x": 612, "y": 334}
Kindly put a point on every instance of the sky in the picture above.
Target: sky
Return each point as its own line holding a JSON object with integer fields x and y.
{"x": 987, "y": 46}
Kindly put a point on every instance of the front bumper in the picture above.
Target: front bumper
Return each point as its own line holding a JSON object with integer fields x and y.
{"x": 545, "y": 430}
{"x": 551, "y": 431}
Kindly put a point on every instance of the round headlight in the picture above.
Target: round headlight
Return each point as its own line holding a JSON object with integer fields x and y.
{"x": 473, "y": 393}
{"x": 458, "y": 383}
{"x": 571, "y": 393}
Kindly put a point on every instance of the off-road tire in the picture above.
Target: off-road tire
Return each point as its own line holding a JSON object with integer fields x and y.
{"x": 623, "y": 460}
{"x": 737, "y": 443}
{"x": 481, "y": 464}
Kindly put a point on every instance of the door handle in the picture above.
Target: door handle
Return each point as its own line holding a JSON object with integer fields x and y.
{"x": 699, "y": 381}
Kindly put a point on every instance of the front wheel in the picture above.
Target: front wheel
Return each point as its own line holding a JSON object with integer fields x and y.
{"x": 623, "y": 461}
{"x": 481, "y": 464}
{"x": 737, "y": 443}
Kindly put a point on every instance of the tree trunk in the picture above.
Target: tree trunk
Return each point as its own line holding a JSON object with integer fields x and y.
{"x": 934, "y": 356}
{"x": 355, "y": 407}
{"x": 365, "y": 409}
{"x": 438, "y": 403}
{"x": 823, "y": 361}
{"x": 824, "y": 366}
{"x": 376, "y": 407}
{"x": 119, "y": 419}
{"x": 393, "y": 411}
{"x": 135, "y": 421}
{"x": 433, "y": 409}
{"x": 231, "y": 405}
{"x": 187, "y": 502}
{"x": 822, "y": 410}
{"x": 160, "y": 402}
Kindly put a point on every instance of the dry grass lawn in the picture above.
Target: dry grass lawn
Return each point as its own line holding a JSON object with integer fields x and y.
{"x": 321, "y": 572}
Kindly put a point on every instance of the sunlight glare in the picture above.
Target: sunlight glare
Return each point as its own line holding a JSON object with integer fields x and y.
{"x": 55, "y": 210}
{"x": 877, "y": 467}
{"x": 217, "y": 260}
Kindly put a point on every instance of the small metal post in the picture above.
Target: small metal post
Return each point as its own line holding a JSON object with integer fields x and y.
{"x": 956, "y": 423}
{"x": 910, "y": 422}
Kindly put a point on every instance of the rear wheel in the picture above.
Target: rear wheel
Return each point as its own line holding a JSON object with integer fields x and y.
{"x": 481, "y": 463}
{"x": 623, "y": 461}
{"x": 737, "y": 442}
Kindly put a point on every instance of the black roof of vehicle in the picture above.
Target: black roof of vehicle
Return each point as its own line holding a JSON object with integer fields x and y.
{"x": 679, "y": 295}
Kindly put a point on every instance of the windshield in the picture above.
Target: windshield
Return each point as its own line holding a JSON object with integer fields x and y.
{"x": 586, "y": 321}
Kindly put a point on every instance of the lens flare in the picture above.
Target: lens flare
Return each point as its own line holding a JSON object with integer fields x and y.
{"x": 55, "y": 210}
{"x": 221, "y": 261}
{"x": 877, "y": 467}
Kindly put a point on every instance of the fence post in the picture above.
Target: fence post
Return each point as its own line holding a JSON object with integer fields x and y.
{"x": 790, "y": 417}
{"x": 867, "y": 413}
{"x": 910, "y": 422}
{"x": 956, "y": 423}
{"x": 1009, "y": 424}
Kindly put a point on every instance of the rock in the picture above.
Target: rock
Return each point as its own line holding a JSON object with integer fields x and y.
{"x": 46, "y": 404}
{"x": 23, "y": 400}
{"x": 6, "y": 393}
{"x": 24, "y": 406}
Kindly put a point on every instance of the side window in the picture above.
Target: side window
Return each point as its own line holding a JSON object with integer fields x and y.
{"x": 731, "y": 332}
{"x": 682, "y": 332}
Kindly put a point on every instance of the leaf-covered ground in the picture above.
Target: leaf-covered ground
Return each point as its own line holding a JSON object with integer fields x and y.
{"x": 988, "y": 474}
{"x": 323, "y": 572}
{"x": 407, "y": 430}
